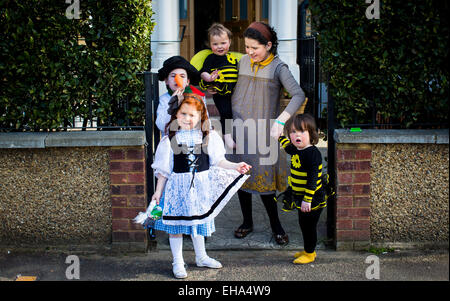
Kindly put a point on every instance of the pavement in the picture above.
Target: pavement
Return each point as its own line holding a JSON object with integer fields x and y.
{"x": 238, "y": 265}
{"x": 255, "y": 258}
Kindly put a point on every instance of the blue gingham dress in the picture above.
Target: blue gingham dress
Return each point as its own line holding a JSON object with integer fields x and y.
{"x": 211, "y": 191}
{"x": 205, "y": 229}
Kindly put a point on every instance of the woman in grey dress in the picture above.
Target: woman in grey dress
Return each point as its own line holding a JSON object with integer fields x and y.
{"x": 258, "y": 123}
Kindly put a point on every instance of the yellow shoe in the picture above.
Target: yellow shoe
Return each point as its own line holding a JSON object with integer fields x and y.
{"x": 305, "y": 258}
{"x": 298, "y": 254}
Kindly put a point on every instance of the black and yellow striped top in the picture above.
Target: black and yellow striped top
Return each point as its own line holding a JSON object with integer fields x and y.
{"x": 227, "y": 64}
{"x": 306, "y": 173}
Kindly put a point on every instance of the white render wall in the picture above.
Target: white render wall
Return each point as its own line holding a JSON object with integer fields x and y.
{"x": 283, "y": 18}
{"x": 165, "y": 35}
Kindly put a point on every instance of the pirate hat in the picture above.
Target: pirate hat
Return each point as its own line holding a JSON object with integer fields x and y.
{"x": 175, "y": 62}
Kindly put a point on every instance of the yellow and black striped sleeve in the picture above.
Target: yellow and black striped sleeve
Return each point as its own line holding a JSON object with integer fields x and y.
{"x": 287, "y": 145}
{"x": 228, "y": 75}
{"x": 313, "y": 165}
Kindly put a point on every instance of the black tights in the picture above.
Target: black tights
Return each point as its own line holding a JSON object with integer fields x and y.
{"x": 308, "y": 224}
{"x": 245, "y": 199}
{"x": 223, "y": 105}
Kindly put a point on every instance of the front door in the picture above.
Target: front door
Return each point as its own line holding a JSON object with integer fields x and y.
{"x": 236, "y": 15}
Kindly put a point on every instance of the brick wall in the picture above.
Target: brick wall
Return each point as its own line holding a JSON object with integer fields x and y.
{"x": 128, "y": 193}
{"x": 391, "y": 188}
{"x": 353, "y": 195}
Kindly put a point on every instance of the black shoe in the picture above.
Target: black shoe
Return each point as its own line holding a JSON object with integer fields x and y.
{"x": 242, "y": 232}
{"x": 281, "y": 239}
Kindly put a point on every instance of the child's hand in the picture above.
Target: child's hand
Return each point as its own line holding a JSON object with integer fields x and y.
{"x": 243, "y": 167}
{"x": 214, "y": 75}
{"x": 156, "y": 196}
{"x": 305, "y": 207}
{"x": 210, "y": 77}
{"x": 179, "y": 93}
{"x": 211, "y": 91}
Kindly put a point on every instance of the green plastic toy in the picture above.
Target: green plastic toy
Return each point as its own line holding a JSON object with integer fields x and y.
{"x": 156, "y": 213}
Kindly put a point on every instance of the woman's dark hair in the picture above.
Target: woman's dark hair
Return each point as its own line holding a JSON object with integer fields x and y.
{"x": 303, "y": 122}
{"x": 254, "y": 34}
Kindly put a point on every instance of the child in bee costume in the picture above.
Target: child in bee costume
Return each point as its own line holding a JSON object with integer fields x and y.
{"x": 306, "y": 190}
{"x": 219, "y": 73}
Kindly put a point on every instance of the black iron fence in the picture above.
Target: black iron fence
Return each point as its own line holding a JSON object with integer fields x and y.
{"x": 308, "y": 60}
{"x": 373, "y": 119}
{"x": 152, "y": 134}
{"x": 118, "y": 118}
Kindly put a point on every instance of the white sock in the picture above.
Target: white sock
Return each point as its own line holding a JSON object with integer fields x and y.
{"x": 199, "y": 246}
{"x": 176, "y": 246}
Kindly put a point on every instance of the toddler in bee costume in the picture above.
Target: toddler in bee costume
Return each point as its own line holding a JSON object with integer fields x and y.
{"x": 219, "y": 73}
{"x": 306, "y": 190}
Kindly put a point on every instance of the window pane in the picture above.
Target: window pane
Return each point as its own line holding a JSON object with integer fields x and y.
{"x": 265, "y": 9}
{"x": 243, "y": 10}
{"x": 228, "y": 10}
{"x": 183, "y": 9}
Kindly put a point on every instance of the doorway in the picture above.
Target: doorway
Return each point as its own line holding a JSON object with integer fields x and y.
{"x": 206, "y": 12}
{"x": 236, "y": 15}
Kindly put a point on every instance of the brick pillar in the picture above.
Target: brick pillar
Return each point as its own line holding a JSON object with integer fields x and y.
{"x": 353, "y": 196}
{"x": 128, "y": 193}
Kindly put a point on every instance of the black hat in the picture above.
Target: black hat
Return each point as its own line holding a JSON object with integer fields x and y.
{"x": 175, "y": 62}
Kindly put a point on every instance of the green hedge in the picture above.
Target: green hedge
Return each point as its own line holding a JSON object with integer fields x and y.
{"x": 48, "y": 76}
{"x": 397, "y": 63}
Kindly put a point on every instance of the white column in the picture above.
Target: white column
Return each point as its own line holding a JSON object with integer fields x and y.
{"x": 165, "y": 34}
{"x": 283, "y": 18}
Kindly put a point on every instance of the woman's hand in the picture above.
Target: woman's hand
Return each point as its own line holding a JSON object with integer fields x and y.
{"x": 243, "y": 167}
{"x": 276, "y": 130}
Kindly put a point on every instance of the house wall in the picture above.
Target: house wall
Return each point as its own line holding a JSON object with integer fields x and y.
{"x": 71, "y": 188}
{"x": 392, "y": 188}
{"x": 409, "y": 193}
{"x": 86, "y": 187}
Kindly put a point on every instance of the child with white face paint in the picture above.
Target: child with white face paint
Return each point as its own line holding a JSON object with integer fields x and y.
{"x": 189, "y": 76}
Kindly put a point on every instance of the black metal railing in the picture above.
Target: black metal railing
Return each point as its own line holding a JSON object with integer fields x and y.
{"x": 86, "y": 119}
{"x": 308, "y": 61}
{"x": 373, "y": 119}
{"x": 152, "y": 134}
